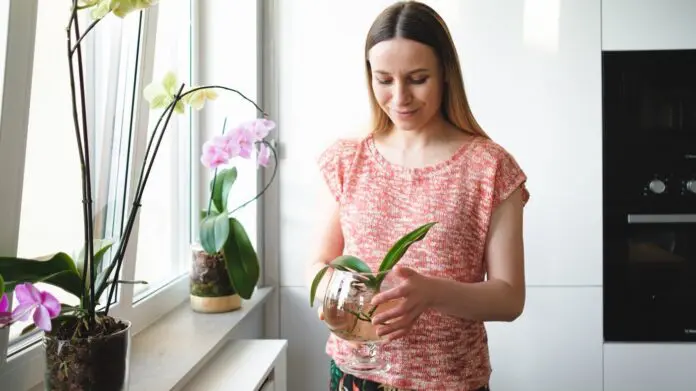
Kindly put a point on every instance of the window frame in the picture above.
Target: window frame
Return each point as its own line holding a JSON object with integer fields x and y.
{"x": 14, "y": 122}
{"x": 24, "y": 368}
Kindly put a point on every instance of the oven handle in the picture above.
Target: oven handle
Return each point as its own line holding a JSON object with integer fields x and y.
{"x": 661, "y": 218}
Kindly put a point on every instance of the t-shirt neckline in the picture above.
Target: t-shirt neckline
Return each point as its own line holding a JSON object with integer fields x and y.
{"x": 425, "y": 170}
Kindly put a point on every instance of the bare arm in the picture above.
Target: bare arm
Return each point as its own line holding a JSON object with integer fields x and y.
{"x": 502, "y": 296}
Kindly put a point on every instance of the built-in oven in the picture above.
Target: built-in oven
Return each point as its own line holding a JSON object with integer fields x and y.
{"x": 649, "y": 189}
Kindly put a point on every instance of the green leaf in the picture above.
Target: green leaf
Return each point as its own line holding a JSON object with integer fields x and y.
{"x": 401, "y": 246}
{"x": 2, "y": 286}
{"x": 58, "y": 270}
{"x": 352, "y": 263}
{"x": 315, "y": 284}
{"x": 223, "y": 183}
{"x": 241, "y": 260}
{"x": 214, "y": 232}
{"x": 213, "y": 212}
{"x": 101, "y": 246}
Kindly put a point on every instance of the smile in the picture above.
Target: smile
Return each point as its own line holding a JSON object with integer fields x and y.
{"x": 404, "y": 112}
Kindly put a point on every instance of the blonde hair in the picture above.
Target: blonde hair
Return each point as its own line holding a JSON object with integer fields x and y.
{"x": 418, "y": 22}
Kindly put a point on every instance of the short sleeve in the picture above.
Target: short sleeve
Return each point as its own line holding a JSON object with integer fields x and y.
{"x": 334, "y": 164}
{"x": 508, "y": 178}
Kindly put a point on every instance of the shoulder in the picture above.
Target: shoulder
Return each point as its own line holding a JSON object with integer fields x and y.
{"x": 499, "y": 168}
{"x": 336, "y": 160}
{"x": 490, "y": 152}
{"x": 340, "y": 149}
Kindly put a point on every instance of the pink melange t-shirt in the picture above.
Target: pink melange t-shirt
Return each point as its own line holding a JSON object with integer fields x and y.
{"x": 380, "y": 202}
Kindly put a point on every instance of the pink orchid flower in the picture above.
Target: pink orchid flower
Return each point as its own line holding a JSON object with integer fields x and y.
{"x": 243, "y": 139}
{"x": 216, "y": 152}
{"x": 44, "y": 306}
{"x": 260, "y": 128}
{"x": 263, "y": 155}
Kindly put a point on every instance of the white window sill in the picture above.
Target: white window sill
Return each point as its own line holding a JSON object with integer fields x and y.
{"x": 168, "y": 354}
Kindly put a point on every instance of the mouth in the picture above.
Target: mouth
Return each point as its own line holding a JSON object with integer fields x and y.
{"x": 404, "y": 113}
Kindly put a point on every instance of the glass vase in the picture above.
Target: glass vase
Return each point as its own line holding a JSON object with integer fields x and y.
{"x": 210, "y": 288}
{"x": 348, "y": 314}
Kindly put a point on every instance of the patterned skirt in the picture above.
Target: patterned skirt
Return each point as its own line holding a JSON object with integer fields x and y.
{"x": 341, "y": 381}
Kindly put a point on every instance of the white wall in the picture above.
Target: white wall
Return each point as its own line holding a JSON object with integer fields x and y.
{"x": 533, "y": 73}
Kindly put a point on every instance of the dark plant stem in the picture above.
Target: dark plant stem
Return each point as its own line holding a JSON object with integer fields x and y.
{"x": 275, "y": 170}
{"x": 83, "y": 149}
{"x": 226, "y": 89}
{"x": 88, "y": 176}
{"x": 79, "y": 39}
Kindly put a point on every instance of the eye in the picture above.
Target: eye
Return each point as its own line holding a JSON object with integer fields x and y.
{"x": 383, "y": 81}
{"x": 420, "y": 80}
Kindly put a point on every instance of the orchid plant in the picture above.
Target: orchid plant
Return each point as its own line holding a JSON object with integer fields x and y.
{"x": 84, "y": 275}
{"x": 220, "y": 232}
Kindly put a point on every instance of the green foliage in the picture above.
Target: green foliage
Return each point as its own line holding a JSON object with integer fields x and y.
{"x": 219, "y": 232}
{"x": 58, "y": 269}
{"x": 357, "y": 265}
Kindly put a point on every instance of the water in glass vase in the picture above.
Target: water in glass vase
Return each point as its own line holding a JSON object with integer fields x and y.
{"x": 347, "y": 312}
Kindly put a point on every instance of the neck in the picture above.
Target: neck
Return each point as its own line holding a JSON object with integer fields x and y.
{"x": 433, "y": 132}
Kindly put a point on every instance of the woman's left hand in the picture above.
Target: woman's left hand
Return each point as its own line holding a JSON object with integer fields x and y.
{"x": 413, "y": 293}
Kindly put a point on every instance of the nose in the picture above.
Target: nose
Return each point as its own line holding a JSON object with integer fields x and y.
{"x": 401, "y": 95}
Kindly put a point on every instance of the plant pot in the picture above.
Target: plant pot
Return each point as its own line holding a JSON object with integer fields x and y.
{"x": 91, "y": 363}
{"x": 210, "y": 288}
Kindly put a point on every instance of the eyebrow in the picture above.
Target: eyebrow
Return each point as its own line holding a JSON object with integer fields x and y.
{"x": 410, "y": 72}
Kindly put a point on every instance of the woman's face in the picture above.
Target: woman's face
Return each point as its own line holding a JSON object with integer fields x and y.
{"x": 407, "y": 82}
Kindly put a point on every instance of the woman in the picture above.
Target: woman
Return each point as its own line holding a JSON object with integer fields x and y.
{"x": 427, "y": 159}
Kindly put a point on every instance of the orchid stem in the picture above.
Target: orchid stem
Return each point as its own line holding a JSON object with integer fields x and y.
{"x": 210, "y": 201}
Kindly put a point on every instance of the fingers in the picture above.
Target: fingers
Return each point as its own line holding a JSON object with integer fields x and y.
{"x": 404, "y": 323}
{"x": 391, "y": 294}
{"x": 404, "y": 272}
{"x": 320, "y": 313}
{"x": 388, "y": 316}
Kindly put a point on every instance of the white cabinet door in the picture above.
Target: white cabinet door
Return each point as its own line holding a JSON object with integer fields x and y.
{"x": 648, "y": 24}
{"x": 649, "y": 367}
{"x": 555, "y": 345}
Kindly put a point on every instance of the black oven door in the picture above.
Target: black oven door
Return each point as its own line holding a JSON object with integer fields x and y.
{"x": 650, "y": 278}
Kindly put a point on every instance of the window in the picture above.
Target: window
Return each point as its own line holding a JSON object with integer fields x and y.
{"x": 164, "y": 231}
{"x": 121, "y": 56}
{"x": 118, "y": 64}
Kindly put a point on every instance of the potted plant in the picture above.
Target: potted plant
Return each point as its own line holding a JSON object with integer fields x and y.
{"x": 345, "y": 301}
{"x": 85, "y": 347}
{"x": 225, "y": 266}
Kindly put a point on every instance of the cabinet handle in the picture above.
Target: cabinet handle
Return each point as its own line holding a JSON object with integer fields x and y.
{"x": 661, "y": 218}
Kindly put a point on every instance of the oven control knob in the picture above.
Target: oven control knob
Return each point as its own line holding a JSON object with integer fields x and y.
{"x": 691, "y": 186}
{"x": 657, "y": 186}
